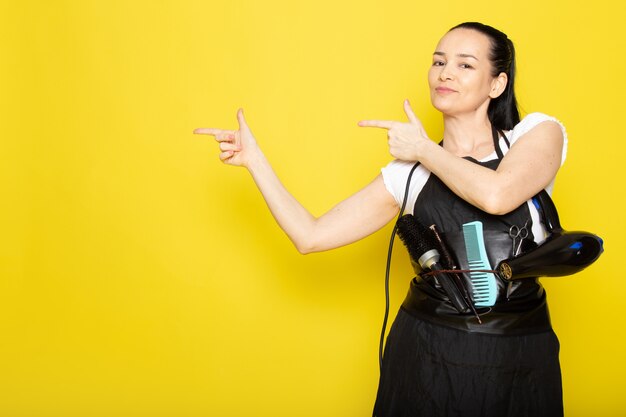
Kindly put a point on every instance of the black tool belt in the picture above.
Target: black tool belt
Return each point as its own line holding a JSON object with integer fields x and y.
{"x": 520, "y": 307}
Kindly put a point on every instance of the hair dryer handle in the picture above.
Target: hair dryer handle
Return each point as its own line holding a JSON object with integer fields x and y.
{"x": 548, "y": 212}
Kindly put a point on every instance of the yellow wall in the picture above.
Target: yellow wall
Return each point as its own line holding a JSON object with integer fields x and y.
{"x": 141, "y": 277}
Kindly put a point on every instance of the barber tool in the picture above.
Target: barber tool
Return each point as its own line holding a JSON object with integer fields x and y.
{"x": 485, "y": 288}
{"x": 562, "y": 253}
{"x": 449, "y": 261}
{"x": 445, "y": 253}
{"x": 423, "y": 250}
{"x": 518, "y": 234}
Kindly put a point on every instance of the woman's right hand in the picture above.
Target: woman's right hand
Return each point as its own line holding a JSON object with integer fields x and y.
{"x": 238, "y": 147}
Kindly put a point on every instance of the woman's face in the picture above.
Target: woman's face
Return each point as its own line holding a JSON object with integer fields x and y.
{"x": 460, "y": 77}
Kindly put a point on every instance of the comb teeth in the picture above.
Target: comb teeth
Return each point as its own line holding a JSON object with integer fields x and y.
{"x": 484, "y": 286}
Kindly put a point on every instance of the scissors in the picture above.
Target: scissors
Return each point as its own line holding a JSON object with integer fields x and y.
{"x": 518, "y": 234}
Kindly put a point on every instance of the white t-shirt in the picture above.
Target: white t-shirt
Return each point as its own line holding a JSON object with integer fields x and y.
{"x": 396, "y": 172}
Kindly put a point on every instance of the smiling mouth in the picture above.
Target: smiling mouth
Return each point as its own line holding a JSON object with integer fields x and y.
{"x": 444, "y": 90}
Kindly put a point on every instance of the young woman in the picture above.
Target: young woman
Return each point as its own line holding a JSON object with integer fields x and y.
{"x": 438, "y": 361}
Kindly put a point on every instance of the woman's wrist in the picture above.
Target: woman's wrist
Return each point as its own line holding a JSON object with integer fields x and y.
{"x": 423, "y": 148}
{"x": 256, "y": 161}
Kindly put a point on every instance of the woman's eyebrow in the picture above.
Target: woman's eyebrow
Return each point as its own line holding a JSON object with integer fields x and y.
{"x": 467, "y": 56}
{"x": 459, "y": 55}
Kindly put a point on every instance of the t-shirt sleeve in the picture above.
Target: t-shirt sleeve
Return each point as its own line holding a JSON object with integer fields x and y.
{"x": 531, "y": 121}
{"x": 395, "y": 176}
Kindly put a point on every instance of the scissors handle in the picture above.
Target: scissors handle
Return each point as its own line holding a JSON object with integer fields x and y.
{"x": 518, "y": 234}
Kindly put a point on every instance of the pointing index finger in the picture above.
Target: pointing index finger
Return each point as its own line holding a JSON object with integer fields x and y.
{"x": 207, "y": 131}
{"x": 383, "y": 124}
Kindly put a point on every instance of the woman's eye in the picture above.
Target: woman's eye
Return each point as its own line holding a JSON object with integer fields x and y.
{"x": 438, "y": 63}
{"x": 466, "y": 66}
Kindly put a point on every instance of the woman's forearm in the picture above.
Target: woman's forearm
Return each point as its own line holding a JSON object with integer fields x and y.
{"x": 295, "y": 220}
{"x": 473, "y": 183}
{"x": 352, "y": 219}
{"x": 527, "y": 168}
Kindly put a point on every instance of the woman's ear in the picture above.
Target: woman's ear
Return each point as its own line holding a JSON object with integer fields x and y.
{"x": 498, "y": 85}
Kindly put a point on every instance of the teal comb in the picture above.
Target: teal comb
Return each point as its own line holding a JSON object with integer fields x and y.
{"x": 484, "y": 286}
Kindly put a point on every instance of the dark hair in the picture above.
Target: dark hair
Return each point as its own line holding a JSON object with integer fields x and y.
{"x": 502, "y": 112}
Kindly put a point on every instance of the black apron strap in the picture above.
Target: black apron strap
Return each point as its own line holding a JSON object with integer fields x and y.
{"x": 496, "y": 133}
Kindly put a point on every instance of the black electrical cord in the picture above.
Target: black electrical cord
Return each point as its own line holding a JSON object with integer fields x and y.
{"x": 388, "y": 268}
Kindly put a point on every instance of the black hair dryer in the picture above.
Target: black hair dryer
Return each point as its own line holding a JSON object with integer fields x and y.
{"x": 562, "y": 253}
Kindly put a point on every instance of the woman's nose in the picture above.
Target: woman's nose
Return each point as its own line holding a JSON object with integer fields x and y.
{"x": 445, "y": 73}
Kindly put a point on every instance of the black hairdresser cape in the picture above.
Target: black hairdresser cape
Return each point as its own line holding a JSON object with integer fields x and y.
{"x": 439, "y": 362}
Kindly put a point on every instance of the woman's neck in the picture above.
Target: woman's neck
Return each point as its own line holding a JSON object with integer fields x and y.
{"x": 468, "y": 135}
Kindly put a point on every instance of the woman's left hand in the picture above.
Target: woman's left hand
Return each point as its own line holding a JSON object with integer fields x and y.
{"x": 405, "y": 138}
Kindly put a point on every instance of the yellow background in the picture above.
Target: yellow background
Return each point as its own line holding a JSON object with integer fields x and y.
{"x": 141, "y": 277}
